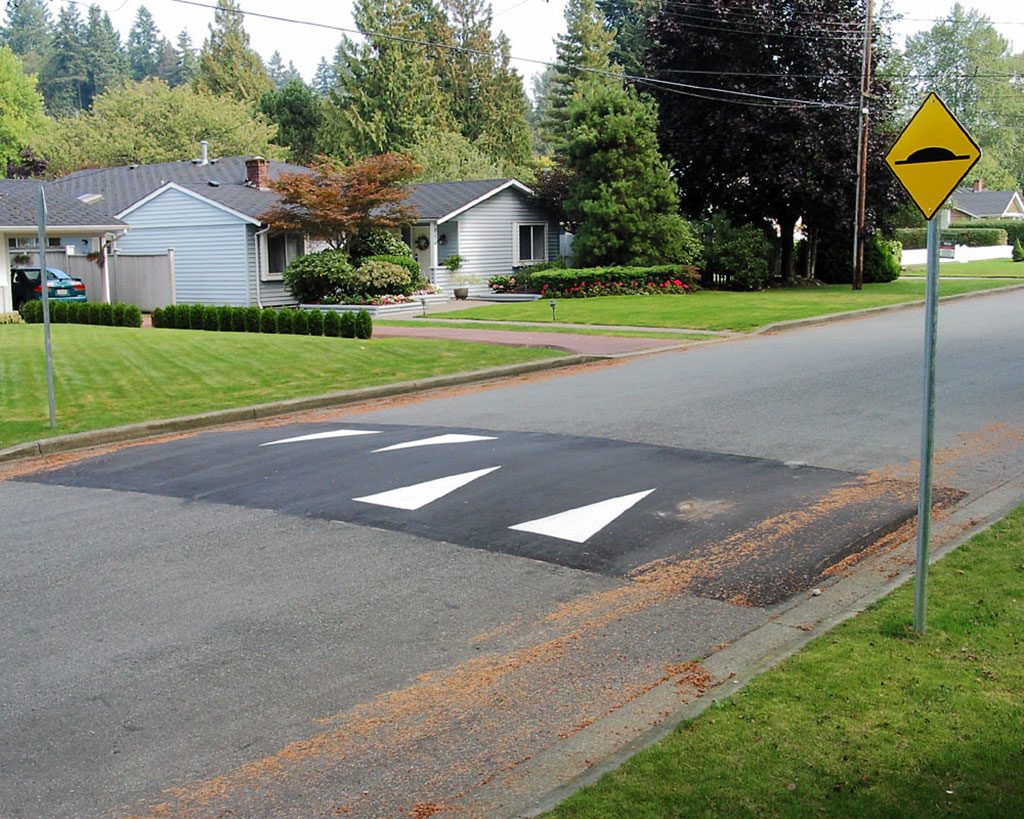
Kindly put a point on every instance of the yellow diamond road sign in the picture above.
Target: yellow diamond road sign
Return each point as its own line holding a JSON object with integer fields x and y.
{"x": 932, "y": 155}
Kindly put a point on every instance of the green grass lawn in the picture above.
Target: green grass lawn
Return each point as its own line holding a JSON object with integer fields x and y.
{"x": 717, "y": 310}
{"x": 995, "y": 268}
{"x": 533, "y": 328}
{"x": 869, "y": 720}
{"x": 107, "y": 376}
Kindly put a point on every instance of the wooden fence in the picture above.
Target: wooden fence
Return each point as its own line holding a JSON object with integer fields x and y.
{"x": 144, "y": 280}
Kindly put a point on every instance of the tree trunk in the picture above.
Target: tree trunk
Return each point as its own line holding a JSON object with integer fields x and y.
{"x": 787, "y": 223}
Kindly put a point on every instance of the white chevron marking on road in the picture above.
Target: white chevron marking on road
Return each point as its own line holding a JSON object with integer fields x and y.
{"x": 319, "y": 436}
{"x": 420, "y": 494}
{"x": 451, "y": 438}
{"x": 580, "y": 524}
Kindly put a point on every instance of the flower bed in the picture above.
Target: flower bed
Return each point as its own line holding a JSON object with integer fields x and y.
{"x": 615, "y": 281}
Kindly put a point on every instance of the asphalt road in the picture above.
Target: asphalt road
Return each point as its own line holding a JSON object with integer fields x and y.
{"x": 353, "y": 625}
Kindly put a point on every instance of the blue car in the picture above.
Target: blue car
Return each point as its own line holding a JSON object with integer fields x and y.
{"x": 25, "y": 286}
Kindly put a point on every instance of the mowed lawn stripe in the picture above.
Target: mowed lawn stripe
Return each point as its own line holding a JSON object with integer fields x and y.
{"x": 109, "y": 376}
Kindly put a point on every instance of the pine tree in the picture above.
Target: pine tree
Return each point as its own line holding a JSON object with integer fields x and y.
{"x": 297, "y": 113}
{"x": 65, "y": 79}
{"x": 29, "y": 33}
{"x": 166, "y": 61}
{"x": 275, "y": 70}
{"x": 586, "y": 45}
{"x": 143, "y": 46}
{"x": 227, "y": 65}
{"x": 187, "y": 63}
{"x": 107, "y": 63}
{"x": 323, "y": 79}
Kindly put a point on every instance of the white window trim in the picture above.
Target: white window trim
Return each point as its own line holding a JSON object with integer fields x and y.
{"x": 517, "y": 259}
{"x": 265, "y": 273}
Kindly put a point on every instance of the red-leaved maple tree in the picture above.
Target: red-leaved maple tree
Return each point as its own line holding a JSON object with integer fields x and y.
{"x": 334, "y": 204}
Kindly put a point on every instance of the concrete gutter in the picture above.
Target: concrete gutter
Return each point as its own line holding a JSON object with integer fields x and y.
{"x": 148, "y": 429}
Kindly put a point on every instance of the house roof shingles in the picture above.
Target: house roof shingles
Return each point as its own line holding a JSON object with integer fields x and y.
{"x": 18, "y": 199}
{"x": 982, "y": 203}
{"x": 434, "y": 200}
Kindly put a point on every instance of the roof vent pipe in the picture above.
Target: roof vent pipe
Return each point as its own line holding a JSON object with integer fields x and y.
{"x": 204, "y": 156}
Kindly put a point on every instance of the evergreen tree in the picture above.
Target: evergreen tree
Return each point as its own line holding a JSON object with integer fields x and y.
{"x": 29, "y": 33}
{"x": 227, "y": 65}
{"x": 107, "y": 64}
{"x": 166, "y": 62}
{"x": 187, "y": 63}
{"x": 323, "y": 79}
{"x": 628, "y": 19}
{"x": 388, "y": 92}
{"x": 624, "y": 200}
{"x": 65, "y": 81}
{"x": 299, "y": 119}
{"x": 143, "y": 46}
{"x": 275, "y": 70}
{"x": 21, "y": 109}
{"x": 585, "y": 48}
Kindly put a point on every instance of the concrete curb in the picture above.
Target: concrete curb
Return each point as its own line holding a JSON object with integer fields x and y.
{"x": 149, "y": 429}
{"x": 789, "y": 630}
{"x": 851, "y": 315}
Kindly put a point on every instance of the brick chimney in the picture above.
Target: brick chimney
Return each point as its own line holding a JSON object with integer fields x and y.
{"x": 978, "y": 186}
{"x": 257, "y": 172}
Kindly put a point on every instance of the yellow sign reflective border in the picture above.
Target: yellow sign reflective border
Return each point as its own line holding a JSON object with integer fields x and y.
{"x": 932, "y": 155}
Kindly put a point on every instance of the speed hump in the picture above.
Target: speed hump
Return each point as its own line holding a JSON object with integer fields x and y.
{"x": 932, "y": 155}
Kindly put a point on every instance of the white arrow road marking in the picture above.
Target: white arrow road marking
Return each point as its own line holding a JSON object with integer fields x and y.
{"x": 451, "y": 438}
{"x": 319, "y": 436}
{"x": 420, "y": 494}
{"x": 579, "y": 524}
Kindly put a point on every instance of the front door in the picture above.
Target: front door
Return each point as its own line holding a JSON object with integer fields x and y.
{"x": 419, "y": 236}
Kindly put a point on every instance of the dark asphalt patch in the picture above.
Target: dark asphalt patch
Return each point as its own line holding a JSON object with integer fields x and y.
{"x": 700, "y": 499}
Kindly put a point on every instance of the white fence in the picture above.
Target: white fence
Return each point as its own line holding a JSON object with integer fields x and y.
{"x": 962, "y": 253}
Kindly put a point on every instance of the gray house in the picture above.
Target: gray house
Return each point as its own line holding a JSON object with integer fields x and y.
{"x": 208, "y": 212}
{"x": 70, "y": 222}
{"x": 493, "y": 224}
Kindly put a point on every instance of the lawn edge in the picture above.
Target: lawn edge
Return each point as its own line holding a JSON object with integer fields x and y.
{"x": 288, "y": 406}
{"x": 793, "y": 625}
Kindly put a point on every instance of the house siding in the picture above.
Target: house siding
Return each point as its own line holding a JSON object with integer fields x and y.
{"x": 485, "y": 233}
{"x": 210, "y": 247}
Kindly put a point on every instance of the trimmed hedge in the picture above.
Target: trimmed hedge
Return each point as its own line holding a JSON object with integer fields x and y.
{"x": 76, "y": 312}
{"x": 254, "y": 320}
{"x": 613, "y": 281}
{"x": 917, "y": 238}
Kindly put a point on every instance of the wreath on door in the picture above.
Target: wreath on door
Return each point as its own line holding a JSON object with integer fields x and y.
{"x": 422, "y": 243}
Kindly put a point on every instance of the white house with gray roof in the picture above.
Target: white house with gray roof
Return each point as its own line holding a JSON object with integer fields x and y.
{"x": 70, "y": 221}
{"x": 208, "y": 211}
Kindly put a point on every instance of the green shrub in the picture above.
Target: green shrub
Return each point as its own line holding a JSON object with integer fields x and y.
{"x": 984, "y": 235}
{"x": 910, "y": 238}
{"x": 741, "y": 255}
{"x": 316, "y": 276}
{"x": 1014, "y": 228}
{"x": 59, "y": 312}
{"x": 835, "y": 259}
{"x": 363, "y": 324}
{"x": 347, "y": 325}
{"x": 332, "y": 324}
{"x": 238, "y": 319}
{"x": 284, "y": 321}
{"x": 252, "y": 319}
{"x": 300, "y": 322}
{"x": 156, "y": 317}
{"x": 377, "y": 242}
{"x": 211, "y": 318}
{"x": 107, "y": 315}
{"x": 94, "y": 311}
{"x": 1018, "y": 251}
{"x": 32, "y": 312}
{"x": 169, "y": 317}
{"x": 315, "y": 320}
{"x": 406, "y": 262}
{"x": 196, "y": 316}
{"x": 132, "y": 316}
{"x": 881, "y": 260}
{"x": 223, "y": 318}
{"x": 611, "y": 281}
{"x": 383, "y": 279}
{"x": 117, "y": 315}
{"x": 78, "y": 312}
{"x": 268, "y": 320}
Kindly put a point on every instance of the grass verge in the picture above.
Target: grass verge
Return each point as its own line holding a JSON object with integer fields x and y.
{"x": 719, "y": 310}
{"x": 109, "y": 376}
{"x": 868, "y": 720}
{"x": 533, "y": 328}
{"x": 994, "y": 268}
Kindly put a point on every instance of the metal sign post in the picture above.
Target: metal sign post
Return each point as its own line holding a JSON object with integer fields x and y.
{"x": 44, "y": 286}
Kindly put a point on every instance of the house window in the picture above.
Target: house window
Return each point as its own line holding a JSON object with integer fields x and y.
{"x": 31, "y": 242}
{"x": 282, "y": 248}
{"x": 531, "y": 242}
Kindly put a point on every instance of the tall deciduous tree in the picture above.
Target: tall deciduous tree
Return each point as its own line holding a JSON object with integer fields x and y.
{"x": 624, "y": 202}
{"x": 149, "y": 122}
{"x": 788, "y": 148}
{"x": 29, "y": 33}
{"x": 227, "y": 65}
{"x": 334, "y": 204}
{"x": 21, "y": 108}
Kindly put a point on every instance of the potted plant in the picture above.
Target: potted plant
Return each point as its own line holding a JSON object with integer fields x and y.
{"x": 462, "y": 281}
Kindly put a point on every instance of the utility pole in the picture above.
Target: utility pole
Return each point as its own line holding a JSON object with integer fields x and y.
{"x": 862, "y": 154}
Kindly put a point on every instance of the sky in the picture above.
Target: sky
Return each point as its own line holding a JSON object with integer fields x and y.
{"x": 531, "y": 25}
